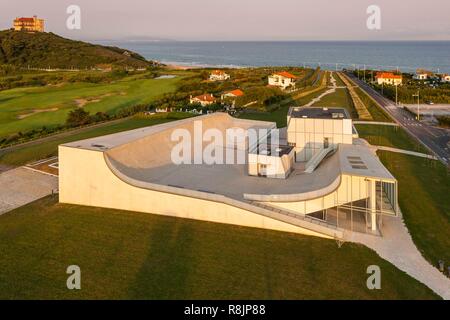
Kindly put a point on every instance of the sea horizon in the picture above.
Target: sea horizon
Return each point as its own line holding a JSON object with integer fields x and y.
{"x": 405, "y": 55}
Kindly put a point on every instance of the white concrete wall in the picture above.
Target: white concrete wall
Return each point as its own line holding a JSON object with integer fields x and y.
{"x": 352, "y": 188}
{"x": 308, "y": 135}
{"x": 389, "y": 81}
{"x": 86, "y": 179}
{"x": 277, "y": 167}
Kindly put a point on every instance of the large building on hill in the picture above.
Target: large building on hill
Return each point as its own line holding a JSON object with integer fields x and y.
{"x": 29, "y": 24}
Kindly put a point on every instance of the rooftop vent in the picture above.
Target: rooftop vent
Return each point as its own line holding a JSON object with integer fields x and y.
{"x": 98, "y": 146}
{"x": 325, "y": 109}
{"x": 356, "y": 163}
{"x": 359, "y": 167}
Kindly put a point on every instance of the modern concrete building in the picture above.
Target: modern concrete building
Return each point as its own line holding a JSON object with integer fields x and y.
{"x": 310, "y": 185}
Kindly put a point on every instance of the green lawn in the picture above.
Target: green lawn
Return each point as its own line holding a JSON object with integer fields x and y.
{"x": 339, "y": 81}
{"x": 424, "y": 189}
{"x": 338, "y": 99}
{"x": 376, "y": 112}
{"x": 280, "y": 114}
{"x": 389, "y": 136}
{"x": 126, "y": 255}
{"x": 54, "y": 102}
{"x": 49, "y": 148}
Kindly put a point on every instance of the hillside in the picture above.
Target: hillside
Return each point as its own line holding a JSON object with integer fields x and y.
{"x": 42, "y": 50}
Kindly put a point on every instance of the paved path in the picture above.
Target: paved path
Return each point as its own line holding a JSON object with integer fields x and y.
{"x": 21, "y": 186}
{"x": 329, "y": 91}
{"x": 397, "y": 247}
{"x": 393, "y": 124}
{"x": 411, "y": 153}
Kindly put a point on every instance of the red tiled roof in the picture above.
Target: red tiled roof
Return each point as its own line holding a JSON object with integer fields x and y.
{"x": 25, "y": 19}
{"x": 205, "y": 97}
{"x": 388, "y": 75}
{"x": 237, "y": 92}
{"x": 286, "y": 74}
{"x": 423, "y": 71}
{"x": 218, "y": 72}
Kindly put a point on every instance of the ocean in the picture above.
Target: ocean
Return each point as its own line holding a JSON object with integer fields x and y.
{"x": 405, "y": 55}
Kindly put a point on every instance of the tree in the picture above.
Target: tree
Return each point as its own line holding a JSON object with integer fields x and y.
{"x": 78, "y": 117}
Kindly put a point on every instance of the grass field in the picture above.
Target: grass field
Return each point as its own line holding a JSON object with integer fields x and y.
{"x": 338, "y": 99}
{"x": 23, "y": 109}
{"x": 376, "y": 112}
{"x": 424, "y": 189}
{"x": 424, "y": 186}
{"x": 389, "y": 136}
{"x": 280, "y": 114}
{"x": 49, "y": 148}
{"x": 125, "y": 255}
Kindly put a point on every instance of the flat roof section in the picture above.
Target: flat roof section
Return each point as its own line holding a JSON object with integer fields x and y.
{"x": 361, "y": 161}
{"x": 318, "y": 113}
{"x": 272, "y": 150}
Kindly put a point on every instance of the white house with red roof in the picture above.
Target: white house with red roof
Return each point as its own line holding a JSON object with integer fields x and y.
{"x": 422, "y": 74}
{"x": 203, "y": 100}
{"x": 233, "y": 94}
{"x": 445, "y": 78}
{"x": 388, "y": 78}
{"x": 282, "y": 79}
{"x": 219, "y": 75}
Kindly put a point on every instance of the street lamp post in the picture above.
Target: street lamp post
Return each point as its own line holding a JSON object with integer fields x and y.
{"x": 418, "y": 104}
{"x": 396, "y": 95}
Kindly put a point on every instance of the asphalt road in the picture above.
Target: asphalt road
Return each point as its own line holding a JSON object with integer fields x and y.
{"x": 436, "y": 139}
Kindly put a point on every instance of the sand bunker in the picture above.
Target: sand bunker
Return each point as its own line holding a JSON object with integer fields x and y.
{"x": 84, "y": 101}
{"x": 33, "y": 112}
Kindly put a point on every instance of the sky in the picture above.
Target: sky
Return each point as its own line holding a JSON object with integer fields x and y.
{"x": 239, "y": 20}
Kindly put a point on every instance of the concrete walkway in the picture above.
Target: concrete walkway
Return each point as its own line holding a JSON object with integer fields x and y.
{"x": 411, "y": 153}
{"x": 397, "y": 247}
{"x": 392, "y": 124}
{"x": 329, "y": 91}
{"x": 21, "y": 186}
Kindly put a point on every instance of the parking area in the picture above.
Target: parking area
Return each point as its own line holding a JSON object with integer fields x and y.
{"x": 23, "y": 185}
{"x": 46, "y": 166}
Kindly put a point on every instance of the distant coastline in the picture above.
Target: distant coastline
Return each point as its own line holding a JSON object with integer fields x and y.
{"x": 405, "y": 55}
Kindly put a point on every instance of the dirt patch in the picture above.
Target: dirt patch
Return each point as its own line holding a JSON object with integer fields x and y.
{"x": 33, "y": 112}
{"x": 84, "y": 101}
